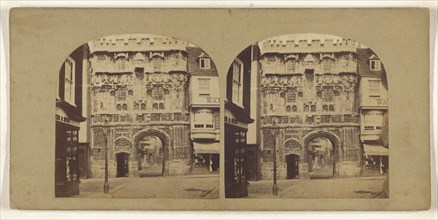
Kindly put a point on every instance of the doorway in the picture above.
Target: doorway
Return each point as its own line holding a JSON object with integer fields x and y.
{"x": 292, "y": 161}
{"x": 122, "y": 164}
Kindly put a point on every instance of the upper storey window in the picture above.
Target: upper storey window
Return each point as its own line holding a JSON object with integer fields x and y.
{"x": 138, "y": 59}
{"x": 291, "y": 63}
{"x": 157, "y": 64}
{"x": 204, "y": 86}
{"x": 309, "y": 60}
{"x": 204, "y": 63}
{"x": 69, "y": 83}
{"x": 375, "y": 65}
{"x": 121, "y": 63}
{"x": 327, "y": 65}
{"x": 203, "y": 119}
{"x": 237, "y": 82}
{"x": 374, "y": 88}
{"x": 121, "y": 60}
{"x": 100, "y": 57}
{"x": 327, "y": 95}
{"x": 271, "y": 59}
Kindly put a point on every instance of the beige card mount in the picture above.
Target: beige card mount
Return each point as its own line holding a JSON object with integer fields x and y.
{"x": 219, "y": 109}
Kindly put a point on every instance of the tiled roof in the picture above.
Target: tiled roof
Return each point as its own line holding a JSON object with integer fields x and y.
{"x": 363, "y": 63}
{"x": 194, "y": 53}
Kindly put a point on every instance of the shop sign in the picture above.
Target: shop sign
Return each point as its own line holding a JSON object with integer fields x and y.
{"x": 376, "y": 102}
{"x": 64, "y": 119}
{"x": 212, "y": 100}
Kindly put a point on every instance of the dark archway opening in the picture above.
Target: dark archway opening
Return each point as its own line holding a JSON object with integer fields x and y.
{"x": 292, "y": 162}
{"x": 122, "y": 164}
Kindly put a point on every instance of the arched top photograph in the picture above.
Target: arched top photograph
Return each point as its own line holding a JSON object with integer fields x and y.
{"x": 329, "y": 94}
{"x": 127, "y": 110}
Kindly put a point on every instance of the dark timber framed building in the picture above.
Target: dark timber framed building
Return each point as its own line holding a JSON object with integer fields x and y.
{"x": 70, "y": 163}
{"x": 237, "y": 118}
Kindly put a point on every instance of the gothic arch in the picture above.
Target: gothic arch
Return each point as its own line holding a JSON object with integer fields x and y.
{"x": 336, "y": 141}
{"x": 165, "y": 139}
{"x": 122, "y": 145}
{"x": 122, "y": 141}
{"x": 292, "y": 146}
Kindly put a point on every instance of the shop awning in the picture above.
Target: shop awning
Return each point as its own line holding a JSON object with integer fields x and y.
{"x": 206, "y": 148}
{"x": 375, "y": 150}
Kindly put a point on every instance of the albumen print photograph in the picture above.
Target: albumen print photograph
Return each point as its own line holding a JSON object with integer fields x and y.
{"x": 137, "y": 116}
{"x": 218, "y": 109}
{"x": 306, "y": 116}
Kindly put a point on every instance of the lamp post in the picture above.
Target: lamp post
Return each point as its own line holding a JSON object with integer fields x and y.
{"x": 106, "y": 184}
{"x": 275, "y": 130}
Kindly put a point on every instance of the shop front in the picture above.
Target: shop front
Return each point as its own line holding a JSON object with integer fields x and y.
{"x": 206, "y": 157}
{"x": 375, "y": 159}
{"x": 67, "y": 168}
{"x": 236, "y": 184}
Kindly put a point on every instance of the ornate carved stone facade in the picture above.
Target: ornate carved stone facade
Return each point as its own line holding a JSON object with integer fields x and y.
{"x": 310, "y": 89}
{"x": 139, "y": 89}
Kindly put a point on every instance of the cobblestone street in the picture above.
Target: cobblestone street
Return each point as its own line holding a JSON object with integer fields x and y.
{"x": 172, "y": 187}
{"x": 365, "y": 187}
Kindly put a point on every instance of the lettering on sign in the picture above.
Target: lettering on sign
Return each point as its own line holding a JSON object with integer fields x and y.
{"x": 62, "y": 118}
{"x": 382, "y": 102}
{"x": 230, "y": 120}
{"x": 213, "y": 100}
{"x": 377, "y": 101}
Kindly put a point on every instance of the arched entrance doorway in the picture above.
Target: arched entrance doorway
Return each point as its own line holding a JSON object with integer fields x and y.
{"x": 292, "y": 150}
{"x": 292, "y": 161}
{"x": 122, "y": 160}
{"x": 152, "y": 153}
{"x": 322, "y": 155}
{"x": 122, "y": 153}
{"x": 150, "y": 156}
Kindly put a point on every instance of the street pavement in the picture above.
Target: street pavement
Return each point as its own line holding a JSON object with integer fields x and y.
{"x": 362, "y": 187}
{"x": 169, "y": 187}
{"x": 207, "y": 187}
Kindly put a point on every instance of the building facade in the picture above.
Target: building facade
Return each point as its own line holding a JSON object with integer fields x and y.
{"x": 309, "y": 88}
{"x": 373, "y": 105}
{"x": 204, "y": 112}
{"x": 69, "y": 117}
{"x": 237, "y": 118}
{"x": 140, "y": 112}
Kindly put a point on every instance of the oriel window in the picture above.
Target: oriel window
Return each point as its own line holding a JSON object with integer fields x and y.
{"x": 204, "y": 118}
